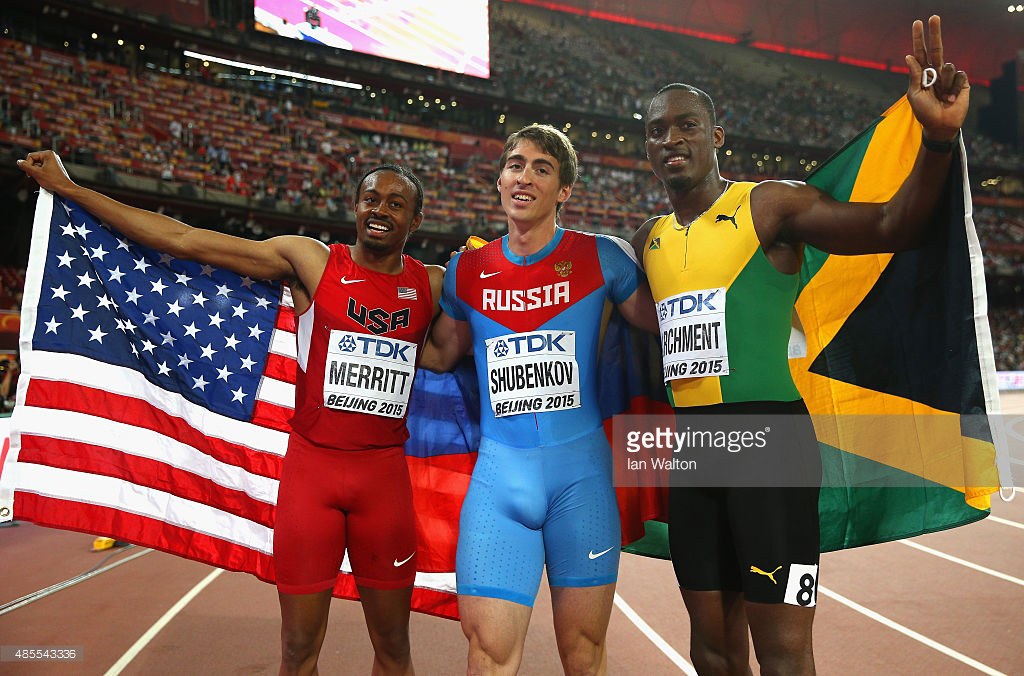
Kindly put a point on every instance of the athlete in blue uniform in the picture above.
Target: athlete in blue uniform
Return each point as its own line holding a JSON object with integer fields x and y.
{"x": 531, "y": 305}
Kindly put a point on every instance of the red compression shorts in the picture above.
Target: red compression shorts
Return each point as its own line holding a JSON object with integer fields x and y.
{"x": 329, "y": 499}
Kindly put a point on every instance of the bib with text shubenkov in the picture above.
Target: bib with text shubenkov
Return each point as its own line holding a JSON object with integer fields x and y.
{"x": 530, "y": 372}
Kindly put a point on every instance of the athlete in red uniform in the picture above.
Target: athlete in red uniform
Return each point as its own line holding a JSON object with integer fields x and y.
{"x": 363, "y": 311}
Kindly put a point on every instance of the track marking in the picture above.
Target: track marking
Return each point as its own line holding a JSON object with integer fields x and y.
{"x": 962, "y": 562}
{"x": 70, "y": 582}
{"x": 654, "y": 637}
{"x": 144, "y": 640}
{"x": 1005, "y": 522}
{"x": 935, "y": 645}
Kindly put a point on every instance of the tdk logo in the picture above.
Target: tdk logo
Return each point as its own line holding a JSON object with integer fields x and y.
{"x": 381, "y": 348}
{"x": 696, "y": 302}
{"x": 531, "y": 343}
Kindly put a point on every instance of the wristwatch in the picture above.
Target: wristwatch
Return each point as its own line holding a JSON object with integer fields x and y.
{"x": 939, "y": 146}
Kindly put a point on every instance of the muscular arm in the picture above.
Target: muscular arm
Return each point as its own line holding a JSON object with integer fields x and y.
{"x": 448, "y": 341}
{"x": 639, "y": 309}
{"x": 281, "y": 258}
{"x": 436, "y": 275}
{"x": 791, "y": 212}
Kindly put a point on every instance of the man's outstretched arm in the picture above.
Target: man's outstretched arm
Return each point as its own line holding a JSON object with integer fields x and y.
{"x": 795, "y": 212}
{"x": 276, "y": 258}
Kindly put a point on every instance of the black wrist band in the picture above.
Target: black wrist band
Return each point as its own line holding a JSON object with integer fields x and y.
{"x": 939, "y": 146}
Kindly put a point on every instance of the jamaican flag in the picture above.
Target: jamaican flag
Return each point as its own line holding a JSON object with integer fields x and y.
{"x": 895, "y": 363}
{"x": 900, "y": 351}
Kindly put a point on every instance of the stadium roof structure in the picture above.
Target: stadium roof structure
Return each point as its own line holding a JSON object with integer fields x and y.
{"x": 981, "y": 34}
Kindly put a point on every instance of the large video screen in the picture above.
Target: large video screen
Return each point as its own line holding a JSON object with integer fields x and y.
{"x": 447, "y": 34}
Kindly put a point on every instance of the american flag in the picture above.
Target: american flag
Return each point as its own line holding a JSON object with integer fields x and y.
{"x": 154, "y": 403}
{"x": 407, "y": 293}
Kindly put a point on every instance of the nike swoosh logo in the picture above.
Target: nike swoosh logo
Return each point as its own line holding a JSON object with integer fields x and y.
{"x": 593, "y": 556}
{"x": 485, "y": 275}
{"x": 351, "y": 281}
{"x": 399, "y": 564}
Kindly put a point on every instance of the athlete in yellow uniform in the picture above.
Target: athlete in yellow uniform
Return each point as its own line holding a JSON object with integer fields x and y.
{"x": 722, "y": 268}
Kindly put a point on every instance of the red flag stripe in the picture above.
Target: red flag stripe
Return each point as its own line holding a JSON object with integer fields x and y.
{"x": 281, "y": 368}
{"x": 286, "y": 320}
{"x": 145, "y": 531}
{"x": 82, "y": 399}
{"x": 143, "y": 472}
{"x": 273, "y": 416}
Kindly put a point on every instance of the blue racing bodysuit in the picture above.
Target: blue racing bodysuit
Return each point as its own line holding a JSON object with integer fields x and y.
{"x": 542, "y": 489}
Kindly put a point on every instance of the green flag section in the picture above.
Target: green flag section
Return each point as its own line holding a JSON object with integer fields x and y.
{"x": 898, "y": 371}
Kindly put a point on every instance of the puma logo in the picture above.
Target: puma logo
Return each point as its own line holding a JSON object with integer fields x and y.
{"x": 770, "y": 576}
{"x": 722, "y": 217}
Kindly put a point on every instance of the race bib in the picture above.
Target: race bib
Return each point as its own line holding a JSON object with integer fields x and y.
{"x": 693, "y": 342}
{"x": 369, "y": 374}
{"x": 532, "y": 372}
{"x": 802, "y": 587}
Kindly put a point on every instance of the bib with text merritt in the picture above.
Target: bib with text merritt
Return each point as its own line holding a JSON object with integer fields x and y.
{"x": 532, "y": 372}
{"x": 369, "y": 374}
{"x": 693, "y": 343}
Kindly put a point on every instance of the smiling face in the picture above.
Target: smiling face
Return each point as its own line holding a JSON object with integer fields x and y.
{"x": 386, "y": 211}
{"x": 681, "y": 139}
{"x": 530, "y": 186}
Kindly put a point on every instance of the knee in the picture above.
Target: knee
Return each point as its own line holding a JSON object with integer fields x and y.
{"x": 583, "y": 656}
{"x": 298, "y": 650}
{"x": 391, "y": 644}
{"x": 790, "y": 657}
{"x": 489, "y": 650}
{"x": 709, "y": 658}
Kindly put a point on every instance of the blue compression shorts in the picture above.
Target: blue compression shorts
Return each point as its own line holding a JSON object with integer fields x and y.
{"x": 527, "y": 506}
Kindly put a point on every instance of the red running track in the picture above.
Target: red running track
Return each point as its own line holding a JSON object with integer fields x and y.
{"x": 231, "y": 625}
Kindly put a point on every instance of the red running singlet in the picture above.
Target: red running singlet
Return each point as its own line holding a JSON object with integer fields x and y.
{"x": 357, "y": 348}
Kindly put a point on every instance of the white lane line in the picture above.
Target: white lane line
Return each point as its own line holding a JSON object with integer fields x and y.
{"x": 935, "y": 645}
{"x": 962, "y": 562}
{"x": 655, "y": 637}
{"x": 70, "y": 582}
{"x": 1005, "y": 522}
{"x": 144, "y": 640}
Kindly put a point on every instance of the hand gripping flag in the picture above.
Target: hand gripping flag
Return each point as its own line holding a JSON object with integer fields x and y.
{"x": 154, "y": 402}
{"x": 894, "y": 362}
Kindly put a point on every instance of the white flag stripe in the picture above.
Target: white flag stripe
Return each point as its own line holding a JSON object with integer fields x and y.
{"x": 120, "y": 380}
{"x": 125, "y": 496}
{"x": 283, "y": 343}
{"x": 142, "y": 443}
{"x": 277, "y": 392}
{"x": 128, "y": 497}
{"x": 443, "y": 582}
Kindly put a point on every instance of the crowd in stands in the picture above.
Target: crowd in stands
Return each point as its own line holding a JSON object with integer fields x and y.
{"x": 1008, "y": 337}
{"x": 272, "y": 147}
{"x": 12, "y": 282}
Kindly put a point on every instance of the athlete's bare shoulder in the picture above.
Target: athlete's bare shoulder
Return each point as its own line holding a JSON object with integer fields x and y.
{"x": 640, "y": 238}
